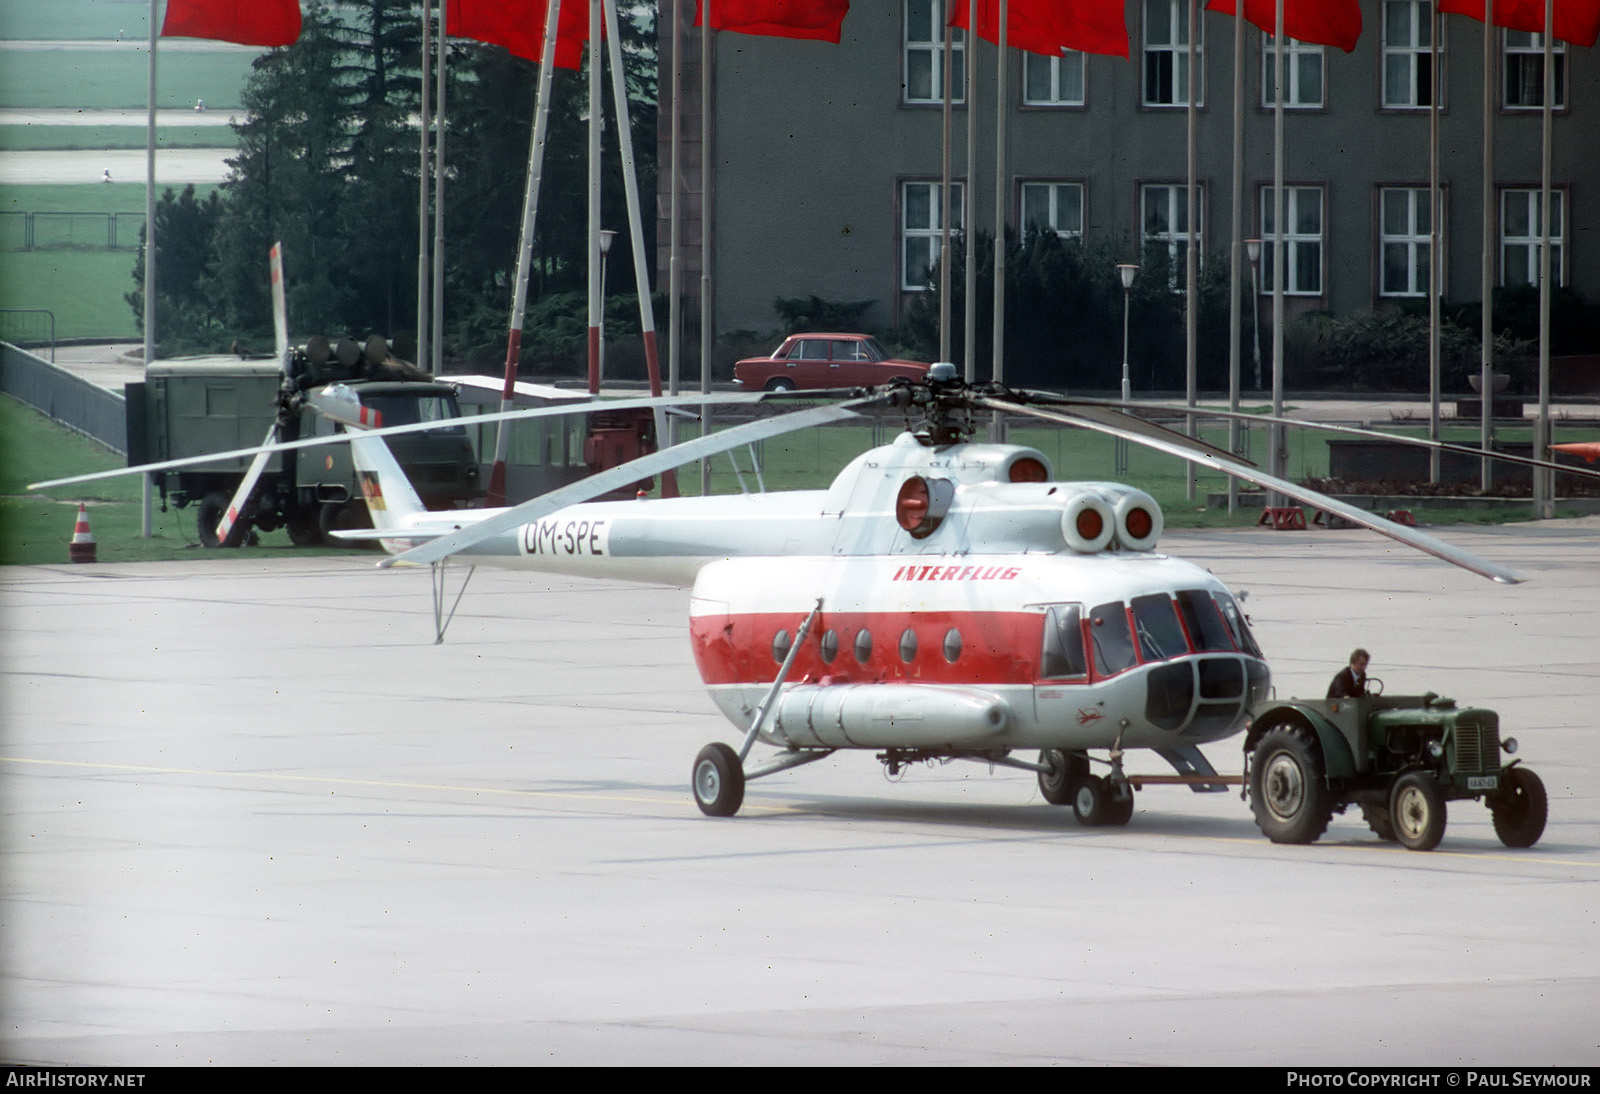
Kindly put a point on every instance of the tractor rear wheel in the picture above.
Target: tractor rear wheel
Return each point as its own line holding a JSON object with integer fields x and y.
{"x": 1288, "y": 786}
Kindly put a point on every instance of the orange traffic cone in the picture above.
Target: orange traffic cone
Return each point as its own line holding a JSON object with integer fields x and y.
{"x": 82, "y": 546}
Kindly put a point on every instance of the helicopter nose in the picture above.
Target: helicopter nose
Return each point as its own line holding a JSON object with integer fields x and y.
{"x": 1204, "y": 697}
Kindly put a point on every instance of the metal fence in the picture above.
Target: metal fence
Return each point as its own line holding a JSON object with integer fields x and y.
{"x": 21, "y": 231}
{"x": 29, "y": 327}
{"x": 68, "y": 399}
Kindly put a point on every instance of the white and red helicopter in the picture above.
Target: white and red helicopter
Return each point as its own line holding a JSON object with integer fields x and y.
{"x": 942, "y": 599}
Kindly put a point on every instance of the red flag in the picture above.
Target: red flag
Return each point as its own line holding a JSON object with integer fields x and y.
{"x": 518, "y": 25}
{"x": 1577, "y": 21}
{"x": 247, "y": 22}
{"x": 1325, "y": 22}
{"x": 814, "y": 20}
{"x": 1049, "y": 26}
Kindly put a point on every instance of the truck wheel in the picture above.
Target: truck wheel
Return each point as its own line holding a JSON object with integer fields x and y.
{"x": 1066, "y": 768}
{"x": 1520, "y": 810}
{"x": 343, "y": 516}
{"x": 1288, "y": 789}
{"x": 305, "y": 528}
{"x": 1418, "y": 811}
{"x": 210, "y": 512}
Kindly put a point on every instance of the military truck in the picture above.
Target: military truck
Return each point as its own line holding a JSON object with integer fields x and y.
{"x": 1400, "y": 758}
{"x": 193, "y": 406}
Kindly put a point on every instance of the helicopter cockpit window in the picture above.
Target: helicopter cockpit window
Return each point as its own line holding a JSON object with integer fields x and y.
{"x": 1204, "y": 620}
{"x": 411, "y": 409}
{"x": 1113, "y": 642}
{"x": 1160, "y": 635}
{"x": 1236, "y": 624}
{"x": 1062, "y": 655}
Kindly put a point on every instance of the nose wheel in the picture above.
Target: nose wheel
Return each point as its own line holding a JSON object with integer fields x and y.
{"x": 718, "y": 780}
{"x": 1099, "y": 802}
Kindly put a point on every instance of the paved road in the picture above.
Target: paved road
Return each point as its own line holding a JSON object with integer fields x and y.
{"x": 254, "y": 816}
{"x": 174, "y": 166}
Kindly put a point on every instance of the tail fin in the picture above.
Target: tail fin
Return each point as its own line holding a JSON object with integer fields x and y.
{"x": 391, "y": 499}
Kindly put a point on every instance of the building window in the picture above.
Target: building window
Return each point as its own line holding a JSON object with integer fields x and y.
{"x": 1164, "y": 215}
{"x": 1404, "y": 229}
{"x": 921, "y": 232}
{"x": 1302, "y": 240}
{"x": 1524, "y": 71}
{"x": 1166, "y": 54}
{"x": 1407, "y": 55}
{"x": 923, "y": 54}
{"x": 1520, "y": 230}
{"x": 1302, "y": 74}
{"x": 1054, "y": 205}
{"x": 1052, "y": 81}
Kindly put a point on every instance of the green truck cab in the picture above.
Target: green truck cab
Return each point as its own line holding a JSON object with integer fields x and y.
{"x": 195, "y": 406}
{"x": 1400, "y": 758}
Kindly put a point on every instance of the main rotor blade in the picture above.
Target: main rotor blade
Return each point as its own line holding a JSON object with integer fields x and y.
{"x": 1120, "y": 416}
{"x": 621, "y": 475}
{"x": 1354, "y": 431}
{"x": 413, "y": 427}
{"x": 1402, "y": 533}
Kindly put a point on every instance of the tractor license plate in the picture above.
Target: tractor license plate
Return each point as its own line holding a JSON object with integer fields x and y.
{"x": 1483, "y": 782}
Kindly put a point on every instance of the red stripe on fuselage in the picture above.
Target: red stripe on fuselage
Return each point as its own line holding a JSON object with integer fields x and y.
{"x": 996, "y": 647}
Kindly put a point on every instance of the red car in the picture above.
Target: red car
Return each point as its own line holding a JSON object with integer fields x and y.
{"x": 824, "y": 360}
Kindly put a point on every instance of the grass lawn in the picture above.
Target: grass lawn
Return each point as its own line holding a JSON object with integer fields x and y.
{"x": 91, "y": 78}
{"x": 35, "y": 529}
{"x": 50, "y": 138}
{"x": 82, "y": 288}
{"x": 102, "y": 19}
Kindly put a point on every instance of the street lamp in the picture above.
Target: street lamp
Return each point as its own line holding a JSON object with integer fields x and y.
{"x": 1252, "y": 248}
{"x": 1127, "y": 272}
{"x": 605, "y": 248}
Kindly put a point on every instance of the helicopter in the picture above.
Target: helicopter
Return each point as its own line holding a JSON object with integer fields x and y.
{"x": 943, "y": 599}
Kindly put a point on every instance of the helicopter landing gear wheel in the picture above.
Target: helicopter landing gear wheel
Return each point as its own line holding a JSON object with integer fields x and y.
{"x": 1065, "y": 769}
{"x": 1096, "y": 803}
{"x": 1418, "y": 811}
{"x": 1521, "y": 810}
{"x": 718, "y": 780}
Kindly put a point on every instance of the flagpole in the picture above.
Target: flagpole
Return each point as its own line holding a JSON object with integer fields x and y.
{"x": 675, "y": 222}
{"x": 530, "y": 214}
{"x": 969, "y": 339}
{"x": 1434, "y": 235}
{"x": 1001, "y": 200}
{"x": 1235, "y": 253}
{"x": 592, "y": 236}
{"x": 944, "y": 199}
{"x": 707, "y": 320}
{"x": 146, "y": 492}
{"x": 423, "y": 349}
{"x": 641, "y": 272}
{"x": 1278, "y": 459}
{"x": 1486, "y": 260}
{"x": 438, "y": 214}
{"x": 1191, "y": 260}
{"x": 1544, "y": 495}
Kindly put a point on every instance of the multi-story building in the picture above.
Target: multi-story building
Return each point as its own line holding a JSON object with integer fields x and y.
{"x": 827, "y": 158}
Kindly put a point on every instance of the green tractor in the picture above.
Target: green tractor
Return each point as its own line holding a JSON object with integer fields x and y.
{"x": 1400, "y": 758}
